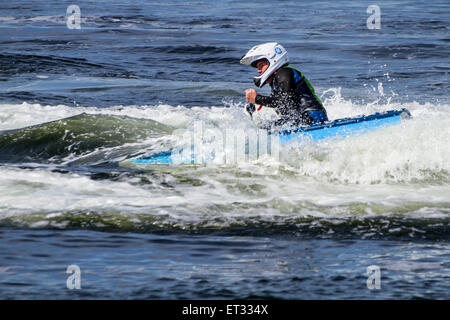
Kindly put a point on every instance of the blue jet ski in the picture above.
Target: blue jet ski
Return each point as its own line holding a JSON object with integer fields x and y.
{"x": 339, "y": 128}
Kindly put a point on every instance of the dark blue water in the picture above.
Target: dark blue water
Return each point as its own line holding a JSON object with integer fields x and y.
{"x": 187, "y": 266}
{"x": 140, "y": 52}
{"x": 139, "y": 70}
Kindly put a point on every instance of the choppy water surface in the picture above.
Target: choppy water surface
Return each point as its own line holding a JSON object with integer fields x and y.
{"x": 76, "y": 104}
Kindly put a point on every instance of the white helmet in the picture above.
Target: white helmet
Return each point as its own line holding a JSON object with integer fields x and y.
{"x": 273, "y": 52}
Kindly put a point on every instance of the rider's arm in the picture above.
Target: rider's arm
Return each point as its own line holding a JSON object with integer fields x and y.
{"x": 281, "y": 95}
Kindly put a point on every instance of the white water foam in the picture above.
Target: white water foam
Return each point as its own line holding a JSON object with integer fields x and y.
{"x": 399, "y": 169}
{"x": 37, "y": 190}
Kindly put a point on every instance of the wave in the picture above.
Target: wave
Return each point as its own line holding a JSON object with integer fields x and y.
{"x": 414, "y": 152}
{"x": 20, "y": 64}
{"x": 291, "y": 226}
{"x": 404, "y": 51}
{"x": 191, "y": 49}
{"x": 392, "y": 183}
{"x": 138, "y": 21}
{"x": 75, "y": 136}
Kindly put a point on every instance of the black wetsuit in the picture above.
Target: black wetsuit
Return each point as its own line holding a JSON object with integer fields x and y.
{"x": 293, "y": 98}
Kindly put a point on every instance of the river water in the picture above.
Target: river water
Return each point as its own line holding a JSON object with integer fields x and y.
{"x": 306, "y": 225}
